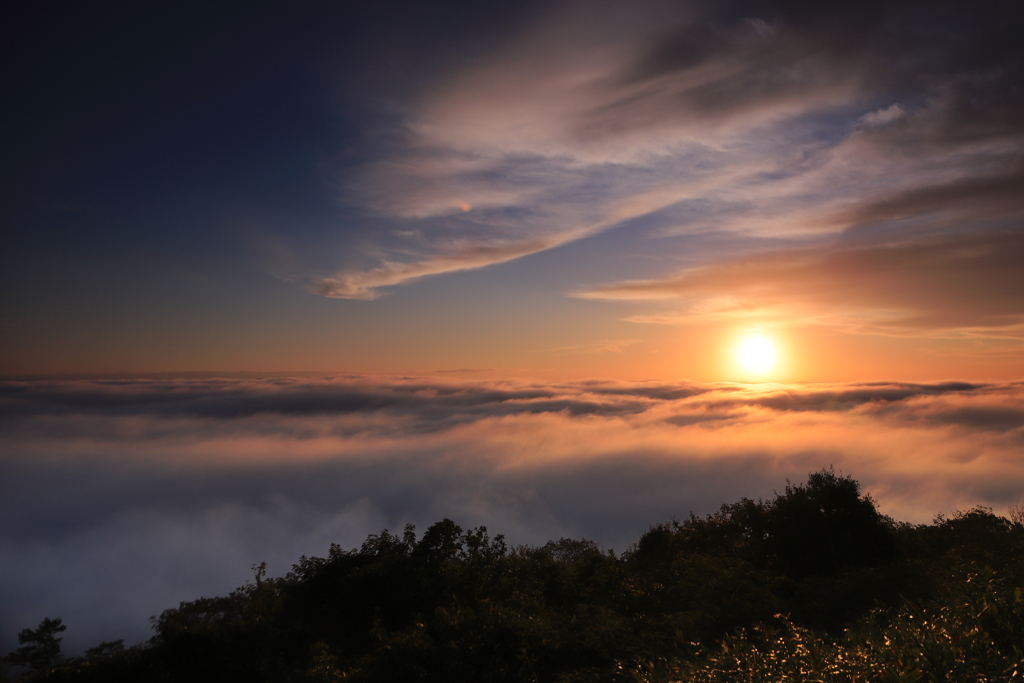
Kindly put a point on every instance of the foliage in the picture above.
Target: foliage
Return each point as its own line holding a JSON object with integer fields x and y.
{"x": 975, "y": 637}
{"x": 39, "y": 648}
{"x": 864, "y": 599}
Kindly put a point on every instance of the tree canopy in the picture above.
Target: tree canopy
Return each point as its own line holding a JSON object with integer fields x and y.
{"x": 816, "y": 562}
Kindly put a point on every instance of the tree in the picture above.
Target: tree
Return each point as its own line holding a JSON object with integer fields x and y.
{"x": 40, "y": 648}
{"x": 443, "y": 541}
{"x": 827, "y": 526}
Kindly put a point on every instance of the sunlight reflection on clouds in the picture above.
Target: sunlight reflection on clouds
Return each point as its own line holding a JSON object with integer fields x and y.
{"x": 176, "y": 487}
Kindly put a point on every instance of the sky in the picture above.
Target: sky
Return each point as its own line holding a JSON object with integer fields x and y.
{"x": 274, "y": 275}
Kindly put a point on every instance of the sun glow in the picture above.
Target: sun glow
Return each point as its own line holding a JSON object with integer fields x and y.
{"x": 756, "y": 354}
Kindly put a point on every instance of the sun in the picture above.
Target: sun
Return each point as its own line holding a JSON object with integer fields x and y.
{"x": 756, "y": 354}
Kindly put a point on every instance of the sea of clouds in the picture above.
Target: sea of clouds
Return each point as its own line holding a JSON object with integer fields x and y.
{"x": 119, "y": 499}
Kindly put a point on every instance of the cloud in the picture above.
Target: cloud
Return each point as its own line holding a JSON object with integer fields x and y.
{"x": 786, "y": 121}
{"x": 120, "y": 498}
{"x": 949, "y": 285}
{"x": 463, "y": 370}
{"x": 966, "y": 199}
{"x": 882, "y": 117}
{"x": 603, "y": 346}
{"x": 364, "y": 285}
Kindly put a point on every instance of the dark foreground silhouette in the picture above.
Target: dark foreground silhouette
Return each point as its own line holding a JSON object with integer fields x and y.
{"x": 814, "y": 584}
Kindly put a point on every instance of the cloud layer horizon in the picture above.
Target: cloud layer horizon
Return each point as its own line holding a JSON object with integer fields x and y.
{"x": 120, "y": 498}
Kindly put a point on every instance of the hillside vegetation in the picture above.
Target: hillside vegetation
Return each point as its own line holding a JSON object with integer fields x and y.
{"x": 812, "y": 585}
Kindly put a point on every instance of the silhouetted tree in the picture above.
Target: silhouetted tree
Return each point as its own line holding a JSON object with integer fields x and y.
{"x": 826, "y": 526}
{"x": 39, "y": 648}
{"x": 106, "y": 650}
{"x": 442, "y": 541}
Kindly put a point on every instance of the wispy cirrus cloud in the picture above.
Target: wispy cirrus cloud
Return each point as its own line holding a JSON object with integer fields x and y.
{"x": 784, "y": 121}
{"x": 366, "y": 284}
{"x": 602, "y": 346}
{"x": 949, "y": 285}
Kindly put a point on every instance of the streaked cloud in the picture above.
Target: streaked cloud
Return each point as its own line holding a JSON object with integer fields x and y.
{"x": 603, "y": 346}
{"x": 364, "y": 285}
{"x": 790, "y": 121}
{"x": 950, "y": 285}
